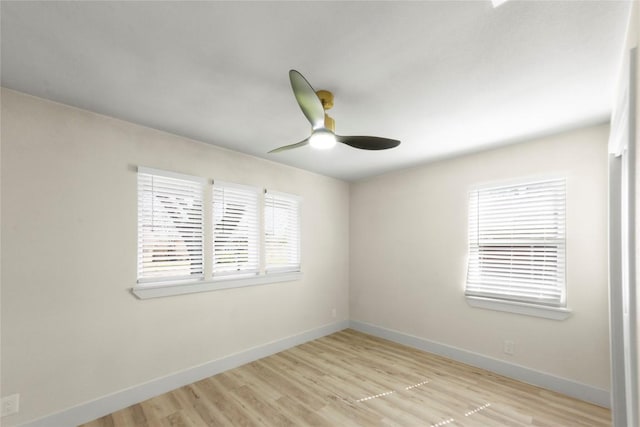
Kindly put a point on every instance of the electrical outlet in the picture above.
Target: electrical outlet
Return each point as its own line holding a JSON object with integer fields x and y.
{"x": 508, "y": 347}
{"x": 10, "y": 405}
{"x": 334, "y": 313}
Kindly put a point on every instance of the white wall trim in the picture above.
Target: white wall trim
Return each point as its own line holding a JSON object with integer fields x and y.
{"x": 158, "y": 290}
{"x": 551, "y": 382}
{"x": 91, "y": 410}
{"x": 553, "y": 313}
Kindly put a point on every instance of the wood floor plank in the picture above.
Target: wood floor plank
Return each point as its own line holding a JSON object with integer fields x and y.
{"x": 353, "y": 379}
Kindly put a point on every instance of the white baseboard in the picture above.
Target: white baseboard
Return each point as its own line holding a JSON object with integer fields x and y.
{"x": 551, "y": 382}
{"x": 105, "y": 405}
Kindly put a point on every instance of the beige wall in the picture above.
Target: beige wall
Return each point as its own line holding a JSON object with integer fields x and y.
{"x": 71, "y": 331}
{"x": 408, "y": 249}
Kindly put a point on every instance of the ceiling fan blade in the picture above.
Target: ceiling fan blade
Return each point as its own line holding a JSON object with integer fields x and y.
{"x": 291, "y": 146}
{"x": 368, "y": 142}
{"x": 307, "y": 99}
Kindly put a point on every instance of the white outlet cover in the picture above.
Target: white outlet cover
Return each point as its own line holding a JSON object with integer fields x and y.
{"x": 10, "y": 405}
{"x": 509, "y": 347}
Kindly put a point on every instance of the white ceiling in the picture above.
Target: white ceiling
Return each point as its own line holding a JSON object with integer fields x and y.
{"x": 443, "y": 77}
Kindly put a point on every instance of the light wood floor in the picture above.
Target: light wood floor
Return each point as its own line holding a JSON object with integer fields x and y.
{"x": 349, "y": 379}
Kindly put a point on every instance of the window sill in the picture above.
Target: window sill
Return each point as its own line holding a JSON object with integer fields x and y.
{"x": 164, "y": 290}
{"x": 553, "y": 313}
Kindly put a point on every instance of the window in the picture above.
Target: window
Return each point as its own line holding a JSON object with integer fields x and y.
{"x": 235, "y": 230}
{"x": 517, "y": 243}
{"x": 282, "y": 232}
{"x": 255, "y": 237}
{"x": 170, "y": 228}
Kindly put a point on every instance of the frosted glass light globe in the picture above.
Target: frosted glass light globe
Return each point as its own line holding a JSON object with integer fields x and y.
{"x": 322, "y": 139}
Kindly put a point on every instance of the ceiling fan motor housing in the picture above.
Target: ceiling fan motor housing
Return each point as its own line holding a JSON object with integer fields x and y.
{"x": 326, "y": 98}
{"x": 329, "y": 123}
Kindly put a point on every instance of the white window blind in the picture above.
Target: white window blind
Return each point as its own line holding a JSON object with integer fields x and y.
{"x": 517, "y": 243}
{"x": 170, "y": 229}
{"x": 282, "y": 232}
{"x": 236, "y": 235}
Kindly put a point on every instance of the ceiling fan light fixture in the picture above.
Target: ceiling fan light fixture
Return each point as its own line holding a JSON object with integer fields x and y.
{"x": 322, "y": 139}
{"x": 497, "y": 3}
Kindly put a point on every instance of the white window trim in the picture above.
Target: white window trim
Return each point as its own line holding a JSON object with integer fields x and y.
{"x": 518, "y": 307}
{"x": 547, "y": 312}
{"x": 171, "y": 174}
{"x": 158, "y": 290}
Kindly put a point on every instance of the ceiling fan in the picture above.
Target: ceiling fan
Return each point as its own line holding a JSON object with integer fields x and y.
{"x": 314, "y": 104}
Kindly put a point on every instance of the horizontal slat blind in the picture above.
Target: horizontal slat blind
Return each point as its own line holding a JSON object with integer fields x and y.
{"x": 517, "y": 242}
{"x": 282, "y": 232}
{"x": 235, "y": 230}
{"x": 170, "y": 229}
